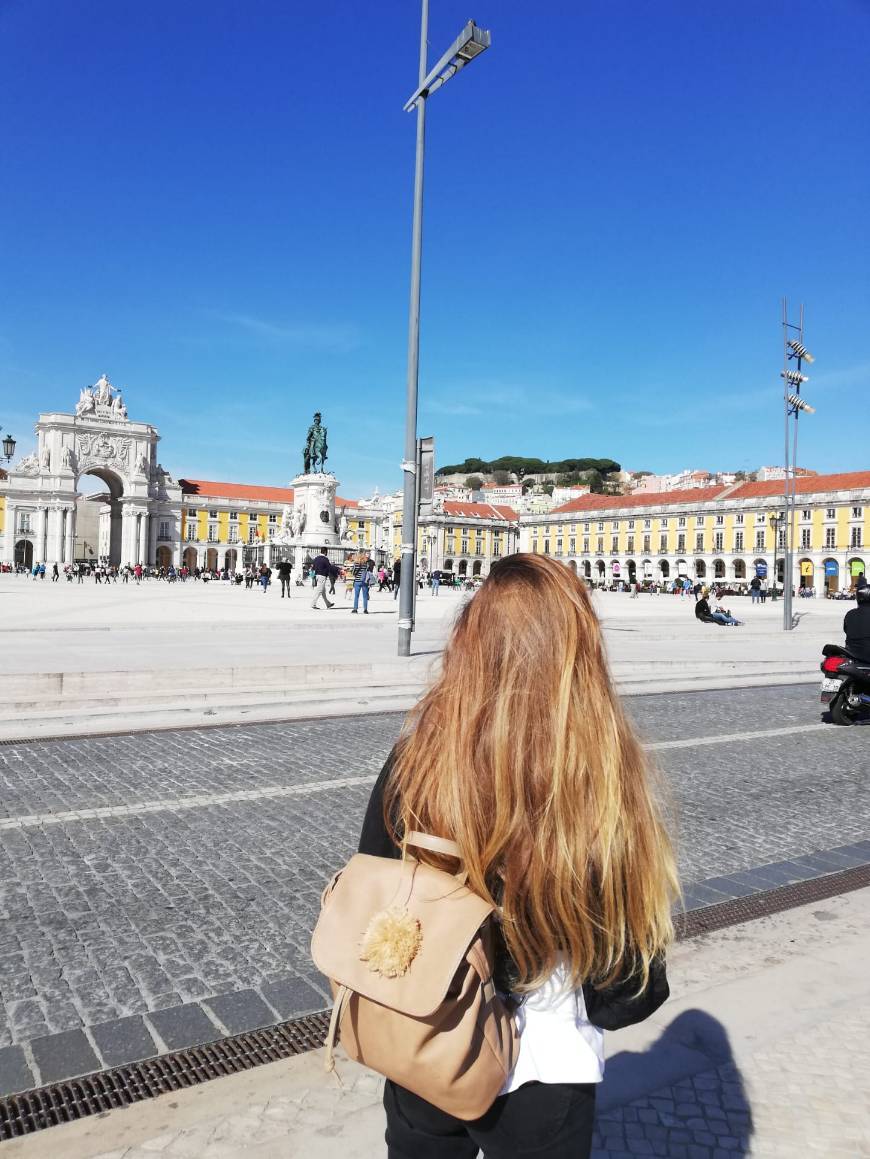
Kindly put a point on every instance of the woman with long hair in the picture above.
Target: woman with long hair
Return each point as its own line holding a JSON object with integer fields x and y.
{"x": 520, "y": 753}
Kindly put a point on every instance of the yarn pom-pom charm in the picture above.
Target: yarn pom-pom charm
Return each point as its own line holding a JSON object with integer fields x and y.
{"x": 391, "y": 942}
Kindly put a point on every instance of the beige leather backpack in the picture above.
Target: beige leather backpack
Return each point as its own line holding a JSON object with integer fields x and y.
{"x": 408, "y": 952}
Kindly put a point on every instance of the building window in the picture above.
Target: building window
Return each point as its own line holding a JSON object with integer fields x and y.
{"x": 857, "y": 512}
{"x": 464, "y": 548}
{"x": 806, "y": 514}
{"x": 647, "y": 524}
{"x": 163, "y": 529}
{"x": 856, "y": 537}
{"x": 631, "y": 525}
{"x": 601, "y": 526}
{"x": 681, "y": 544}
{"x": 190, "y": 533}
{"x": 212, "y": 533}
{"x": 718, "y": 541}
{"x": 760, "y": 517}
{"x": 806, "y": 537}
{"x": 647, "y": 540}
{"x": 614, "y": 544}
{"x": 614, "y": 525}
{"x": 663, "y": 523}
{"x": 252, "y": 535}
{"x": 212, "y": 514}
{"x": 681, "y": 522}
{"x": 25, "y": 527}
{"x": 699, "y": 520}
{"x": 273, "y": 517}
{"x": 720, "y": 519}
{"x": 572, "y": 546}
{"x": 546, "y": 547}
{"x": 738, "y": 540}
{"x": 831, "y": 513}
{"x": 558, "y": 547}
{"x": 629, "y": 545}
{"x": 233, "y": 535}
{"x": 585, "y": 526}
{"x": 699, "y": 541}
{"x": 830, "y": 537}
{"x": 781, "y": 537}
{"x": 234, "y": 515}
{"x": 738, "y": 518}
{"x": 663, "y": 545}
{"x": 585, "y": 544}
{"x": 600, "y": 545}
{"x": 759, "y": 541}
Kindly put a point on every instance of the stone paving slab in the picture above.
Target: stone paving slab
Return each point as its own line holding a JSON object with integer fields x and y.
{"x": 158, "y": 913}
{"x": 751, "y": 1057}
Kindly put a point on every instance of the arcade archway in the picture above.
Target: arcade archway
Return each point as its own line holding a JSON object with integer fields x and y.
{"x": 24, "y": 553}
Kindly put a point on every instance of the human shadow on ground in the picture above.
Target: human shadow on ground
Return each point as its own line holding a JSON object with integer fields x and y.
{"x": 683, "y": 1096}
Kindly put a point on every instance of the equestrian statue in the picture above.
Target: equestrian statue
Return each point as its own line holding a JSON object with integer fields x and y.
{"x": 314, "y": 450}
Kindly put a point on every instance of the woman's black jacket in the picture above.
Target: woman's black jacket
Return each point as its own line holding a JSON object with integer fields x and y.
{"x": 609, "y": 1009}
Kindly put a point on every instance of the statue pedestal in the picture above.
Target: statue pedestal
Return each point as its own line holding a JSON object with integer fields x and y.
{"x": 314, "y": 511}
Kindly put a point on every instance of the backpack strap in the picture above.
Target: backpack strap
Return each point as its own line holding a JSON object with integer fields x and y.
{"x": 434, "y": 844}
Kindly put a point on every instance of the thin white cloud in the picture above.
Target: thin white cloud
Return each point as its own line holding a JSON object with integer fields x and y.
{"x": 511, "y": 400}
{"x": 858, "y": 375}
{"x": 314, "y": 335}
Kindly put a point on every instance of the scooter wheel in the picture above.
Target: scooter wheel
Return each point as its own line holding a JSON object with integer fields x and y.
{"x": 840, "y": 711}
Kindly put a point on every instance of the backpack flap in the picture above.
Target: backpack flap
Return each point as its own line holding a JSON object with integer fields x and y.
{"x": 396, "y": 932}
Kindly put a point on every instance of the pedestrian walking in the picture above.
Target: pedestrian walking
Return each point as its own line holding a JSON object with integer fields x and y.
{"x": 265, "y": 577}
{"x": 436, "y": 582}
{"x": 55, "y": 573}
{"x": 585, "y": 894}
{"x": 320, "y": 571}
{"x": 397, "y": 577}
{"x": 755, "y": 590}
{"x": 285, "y": 570}
{"x": 361, "y": 572}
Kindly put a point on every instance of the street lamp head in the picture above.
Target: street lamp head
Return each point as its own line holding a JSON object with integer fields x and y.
{"x": 8, "y": 448}
{"x": 478, "y": 40}
{"x": 797, "y": 403}
{"x": 471, "y": 42}
{"x": 798, "y": 350}
{"x": 793, "y": 377}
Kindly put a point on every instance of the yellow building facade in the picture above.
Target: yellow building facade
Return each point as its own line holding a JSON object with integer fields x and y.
{"x": 728, "y": 534}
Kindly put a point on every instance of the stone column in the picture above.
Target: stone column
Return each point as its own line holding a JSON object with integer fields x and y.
{"x": 9, "y": 532}
{"x": 152, "y": 540}
{"x": 143, "y": 538}
{"x": 70, "y": 535}
{"x": 53, "y": 536}
{"x": 41, "y": 531}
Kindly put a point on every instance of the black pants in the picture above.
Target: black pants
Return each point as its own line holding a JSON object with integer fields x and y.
{"x": 285, "y": 586}
{"x": 540, "y": 1120}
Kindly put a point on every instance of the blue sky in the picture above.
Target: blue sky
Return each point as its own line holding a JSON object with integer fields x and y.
{"x": 211, "y": 202}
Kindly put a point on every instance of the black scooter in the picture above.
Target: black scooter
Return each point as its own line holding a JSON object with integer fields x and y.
{"x": 845, "y": 685}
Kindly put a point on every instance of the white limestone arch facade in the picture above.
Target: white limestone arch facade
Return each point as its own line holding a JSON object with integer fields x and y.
{"x": 143, "y": 511}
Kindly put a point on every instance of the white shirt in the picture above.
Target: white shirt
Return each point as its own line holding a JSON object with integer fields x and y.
{"x": 558, "y": 1043}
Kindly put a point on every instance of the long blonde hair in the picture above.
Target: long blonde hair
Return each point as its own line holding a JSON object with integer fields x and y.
{"x": 521, "y": 753}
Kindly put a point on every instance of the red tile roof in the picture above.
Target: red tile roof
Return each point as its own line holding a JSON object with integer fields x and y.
{"x": 209, "y": 488}
{"x": 479, "y": 510}
{"x": 806, "y": 485}
{"x": 656, "y": 499}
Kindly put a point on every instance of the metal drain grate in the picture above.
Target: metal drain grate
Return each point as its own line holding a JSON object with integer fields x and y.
{"x": 77, "y": 1098}
{"x": 773, "y": 901}
{"x": 63, "y": 1102}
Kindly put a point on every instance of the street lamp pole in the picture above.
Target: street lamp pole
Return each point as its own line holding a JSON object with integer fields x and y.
{"x": 469, "y": 44}
{"x": 409, "y": 463}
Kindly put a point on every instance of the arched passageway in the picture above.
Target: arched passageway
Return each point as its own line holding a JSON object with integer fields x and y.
{"x": 164, "y": 556}
{"x": 211, "y": 559}
{"x": 190, "y": 558}
{"x": 463, "y": 567}
{"x": 24, "y": 553}
{"x": 230, "y": 559}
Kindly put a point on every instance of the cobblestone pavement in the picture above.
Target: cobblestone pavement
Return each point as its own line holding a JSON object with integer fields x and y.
{"x": 178, "y": 874}
{"x": 751, "y": 1057}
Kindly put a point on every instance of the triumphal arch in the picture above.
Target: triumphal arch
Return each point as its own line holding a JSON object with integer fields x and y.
{"x": 140, "y": 512}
